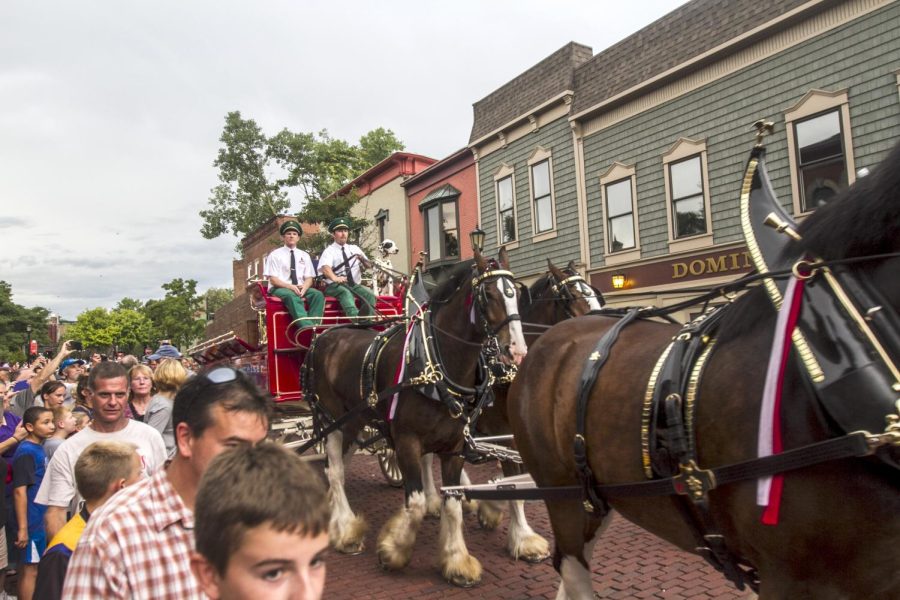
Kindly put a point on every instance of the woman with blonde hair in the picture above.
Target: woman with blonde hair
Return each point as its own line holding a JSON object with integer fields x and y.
{"x": 168, "y": 378}
{"x": 140, "y": 391}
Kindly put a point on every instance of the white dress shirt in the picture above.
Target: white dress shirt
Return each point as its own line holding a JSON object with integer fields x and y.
{"x": 332, "y": 257}
{"x": 278, "y": 263}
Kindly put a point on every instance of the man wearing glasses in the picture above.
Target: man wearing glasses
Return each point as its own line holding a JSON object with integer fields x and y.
{"x": 139, "y": 544}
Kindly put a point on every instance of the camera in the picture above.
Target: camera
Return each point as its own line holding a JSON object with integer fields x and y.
{"x": 75, "y": 345}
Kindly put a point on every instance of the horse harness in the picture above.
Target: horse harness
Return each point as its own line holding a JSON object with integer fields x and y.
{"x": 424, "y": 367}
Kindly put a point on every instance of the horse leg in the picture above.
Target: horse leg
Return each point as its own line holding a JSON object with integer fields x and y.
{"x": 470, "y": 507}
{"x": 432, "y": 497}
{"x": 346, "y": 530}
{"x": 522, "y": 541}
{"x": 576, "y": 533}
{"x": 457, "y": 565}
{"x": 398, "y": 535}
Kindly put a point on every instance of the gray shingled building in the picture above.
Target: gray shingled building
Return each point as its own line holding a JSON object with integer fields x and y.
{"x": 630, "y": 161}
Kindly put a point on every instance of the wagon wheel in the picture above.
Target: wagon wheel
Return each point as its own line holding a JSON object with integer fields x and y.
{"x": 387, "y": 460}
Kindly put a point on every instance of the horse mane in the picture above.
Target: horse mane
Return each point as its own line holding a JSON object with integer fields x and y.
{"x": 451, "y": 281}
{"x": 862, "y": 220}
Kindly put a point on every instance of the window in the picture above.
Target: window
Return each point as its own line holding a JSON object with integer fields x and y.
{"x": 381, "y": 218}
{"x": 543, "y": 200}
{"x": 506, "y": 208}
{"x": 441, "y": 231}
{"x": 688, "y": 210}
{"x": 620, "y": 215}
{"x": 821, "y": 157}
{"x": 441, "y": 223}
{"x": 687, "y": 196}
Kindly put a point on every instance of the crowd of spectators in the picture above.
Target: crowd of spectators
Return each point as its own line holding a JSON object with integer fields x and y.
{"x": 105, "y": 462}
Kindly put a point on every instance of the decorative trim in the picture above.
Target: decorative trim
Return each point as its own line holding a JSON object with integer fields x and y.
{"x": 520, "y": 127}
{"x": 814, "y": 102}
{"x": 534, "y": 122}
{"x": 682, "y": 149}
{"x": 584, "y": 242}
{"x": 649, "y": 94}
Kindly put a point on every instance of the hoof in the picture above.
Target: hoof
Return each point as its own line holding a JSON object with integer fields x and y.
{"x": 464, "y": 571}
{"x": 489, "y": 515}
{"x": 391, "y": 561}
{"x": 470, "y": 507}
{"x": 351, "y": 549}
{"x": 351, "y": 538}
{"x": 533, "y": 549}
{"x": 433, "y": 509}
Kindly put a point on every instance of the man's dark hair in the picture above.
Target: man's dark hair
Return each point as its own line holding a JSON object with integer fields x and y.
{"x": 105, "y": 370}
{"x": 195, "y": 399}
{"x": 33, "y": 413}
{"x": 246, "y": 488}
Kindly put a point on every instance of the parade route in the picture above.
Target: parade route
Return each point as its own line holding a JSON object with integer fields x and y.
{"x": 627, "y": 563}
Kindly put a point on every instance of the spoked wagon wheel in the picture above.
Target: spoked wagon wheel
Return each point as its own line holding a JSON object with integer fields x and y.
{"x": 387, "y": 460}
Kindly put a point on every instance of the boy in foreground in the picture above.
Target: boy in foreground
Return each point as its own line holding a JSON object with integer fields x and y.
{"x": 103, "y": 469}
{"x": 261, "y": 526}
{"x": 29, "y": 466}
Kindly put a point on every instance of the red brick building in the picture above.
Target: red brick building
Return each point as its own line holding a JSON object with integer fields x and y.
{"x": 442, "y": 202}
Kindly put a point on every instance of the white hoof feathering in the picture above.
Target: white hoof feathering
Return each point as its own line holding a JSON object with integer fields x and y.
{"x": 346, "y": 531}
{"x": 398, "y": 536}
{"x": 457, "y": 565}
{"x": 576, "y": 579}
{"x": 469, "y": 506}
{"x": 432, "y": 497}
{"x": 523, "y": 542}
{"x": 489, "y": 514}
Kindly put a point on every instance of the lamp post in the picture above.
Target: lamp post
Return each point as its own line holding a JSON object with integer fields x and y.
{"x": 27, "y": 341}
{"x": 476, "y": 237}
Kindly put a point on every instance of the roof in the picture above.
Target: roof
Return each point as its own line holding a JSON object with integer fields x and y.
{"x": 684, "y": 34}
{"x": 542, "y": 82}
{"x": 445, "y": 191}
{"x": 405, "y": 163}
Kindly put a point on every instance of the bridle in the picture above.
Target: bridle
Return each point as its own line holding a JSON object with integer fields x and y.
{"x": 504, "y": 279}
{"x": 564, "y": 292}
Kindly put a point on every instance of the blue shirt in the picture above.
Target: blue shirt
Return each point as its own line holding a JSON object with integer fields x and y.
{"x": 29, "y": 466}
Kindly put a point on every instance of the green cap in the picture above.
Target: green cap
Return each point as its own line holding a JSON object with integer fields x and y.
{"x": 339, "y": 223}
{"x": 288, "y": 225}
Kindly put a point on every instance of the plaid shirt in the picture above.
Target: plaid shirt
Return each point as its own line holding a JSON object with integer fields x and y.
{"x": 137, "y": 545}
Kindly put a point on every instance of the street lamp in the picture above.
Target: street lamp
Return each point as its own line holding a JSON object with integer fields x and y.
{"x": 618, "y": 281}
{"x": 476, "y": 237}
{"x": 27, "y": 341}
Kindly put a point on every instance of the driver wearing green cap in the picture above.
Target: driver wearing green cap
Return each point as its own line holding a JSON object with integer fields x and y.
{"x": 291, "y": 274}
{"x": 340, "y": 264}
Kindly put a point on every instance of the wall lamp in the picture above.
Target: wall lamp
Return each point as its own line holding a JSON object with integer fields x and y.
{"x": 476, "y": 237}
{"x": 618, "y": 281}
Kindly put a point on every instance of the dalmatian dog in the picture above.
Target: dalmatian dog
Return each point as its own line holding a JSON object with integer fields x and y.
{"x": 383, "y": 281}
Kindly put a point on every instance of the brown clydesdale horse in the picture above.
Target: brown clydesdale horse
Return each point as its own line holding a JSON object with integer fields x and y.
{"x": 556, "y": 295}
{"x": 463, "y": 316}
{"x": 839, "y": 521}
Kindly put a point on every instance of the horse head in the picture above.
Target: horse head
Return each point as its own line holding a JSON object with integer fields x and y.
{"x": 577, "y": 296}
{"x": 496, "y": 299}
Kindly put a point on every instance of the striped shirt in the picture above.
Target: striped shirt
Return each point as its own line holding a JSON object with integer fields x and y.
{"x": 137, "y": 545}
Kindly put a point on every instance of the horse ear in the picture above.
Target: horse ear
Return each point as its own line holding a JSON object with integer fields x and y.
{"x": 559, "y": 275}
{"x": 571, "y": 265}
{"x": 504, "y": 258}
{"x": 480, "y": 261}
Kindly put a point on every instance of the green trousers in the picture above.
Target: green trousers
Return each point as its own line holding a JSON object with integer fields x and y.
{"x": 294, "y": 304}
{"x": 342, "y": 292}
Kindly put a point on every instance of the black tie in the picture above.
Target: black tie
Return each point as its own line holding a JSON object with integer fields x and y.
{"x": 347, "y": 267}
{"x": 293, "y": 269}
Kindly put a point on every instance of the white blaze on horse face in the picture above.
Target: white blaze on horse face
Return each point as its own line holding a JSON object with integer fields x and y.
{"x": 589, "y": 296}
{"x": 517, "y": 346}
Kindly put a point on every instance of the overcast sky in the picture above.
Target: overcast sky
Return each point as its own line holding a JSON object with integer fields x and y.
{"x": 110, "y": 113}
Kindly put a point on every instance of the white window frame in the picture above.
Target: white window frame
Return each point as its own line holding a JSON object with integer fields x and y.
{"x": 538, "y": 156}
{"x": 616, "y": 173}
{"x": 503, "y": 172}
{"x": 813, "y": 103}
{"x": 683, "y": 149}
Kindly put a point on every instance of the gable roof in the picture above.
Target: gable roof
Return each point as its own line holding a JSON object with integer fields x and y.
{"x": 684, "y": 34}
{"x": 537, "y": 85}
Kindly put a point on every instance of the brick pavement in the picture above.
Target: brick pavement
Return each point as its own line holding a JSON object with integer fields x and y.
{"x": 627, "y": 563}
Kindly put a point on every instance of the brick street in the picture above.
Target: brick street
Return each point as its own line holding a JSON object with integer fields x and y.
{"x": 627, "y": 562}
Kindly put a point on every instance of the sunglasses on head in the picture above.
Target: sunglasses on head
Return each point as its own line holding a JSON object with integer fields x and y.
{"x": 221, "y": 375}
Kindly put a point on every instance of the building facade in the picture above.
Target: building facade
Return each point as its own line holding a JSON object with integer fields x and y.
{"x": 382, "y": 202}
{"x": 660, "y": 127}
{"x": 442, "y": 202}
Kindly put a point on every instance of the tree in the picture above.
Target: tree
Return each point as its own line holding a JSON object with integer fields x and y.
{"x": 122, "y": 329}
{"x": 15, "y": 320}
{"x": 179, "y": 315}
{"x": 216, "y": 298}
{"x": 256, "y": 173}
{"x": 130, "y": 304}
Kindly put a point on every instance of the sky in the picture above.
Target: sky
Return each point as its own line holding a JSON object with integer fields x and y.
{"x": 111, "y": 112}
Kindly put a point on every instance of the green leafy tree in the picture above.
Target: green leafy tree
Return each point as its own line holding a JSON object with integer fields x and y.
{"x": 130, "y": 304}
{"x": 92, "y": 328}
{"x": 179, "y": 315}
{"x": 216, "y": 298}
{"x": 15, "y": 320}
{"x": 257, "y": 173}
{"x": 104, "y": 330}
